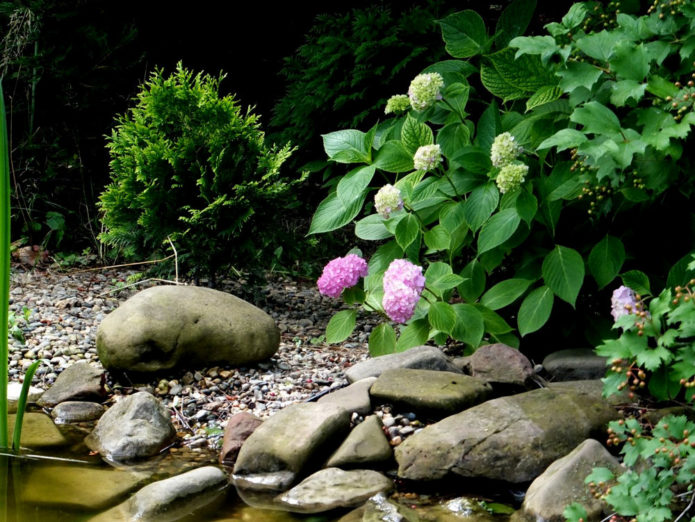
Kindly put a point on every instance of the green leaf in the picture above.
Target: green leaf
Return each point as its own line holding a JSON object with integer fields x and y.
{"x": 630, "y": 61}
{"x": 596, "y": 118}
{"x": 452, "y": 70}
{"x": 504, "y": 293}
{"x": 627, "y": 89}
{"x": 474, "y": 159}
{"x": 575, "y": 512}
{"x": 578, "y": 75}
{"x": 353, "y": 295}
{"x": 394, "y": 157}
{"x": 564, "y": 139}
{"x": 498, "y": 229}
{"x": 599, "y": 46}
{"x": 489, "y": 126}
{"x": 535, "y": 310}
{"x": 351, "y": 187}
{"x": 494, "y": 323}
{"x": 437, "y": 238}
{"x": 456, "y": 95}
{"x": 661, "y": 87}
{"x": 480, "y": 205}
{"x": 513, "y": 21}
{"x": 545, "y": 94}
{"x": 407, "y": 231}
{"x": 341, "y": 326}
{"x": 680, "y": 273}
{"x": 526, "y": 205}
{"x": 415, "y": 334}
{"x": 452, "y": 138}
{"x": 575, "y": 15}
{"x": 470, "y": 326}
{"x": 333, "y": 213}
{"x": 371, "y": 228}
{"x": 510, "y": 78}
{"x": 473, "y": 281}
{"x": 415, "y": 134}
{"x": 346, "y": 146}
{"x": 382, "y": 340}
{"x": 636, "y": 280}
{"x": 464, "y": 34}
{"x": 442, "y": 317}
{"x": 563, "y": 272}
{"x": 606, "y": 259}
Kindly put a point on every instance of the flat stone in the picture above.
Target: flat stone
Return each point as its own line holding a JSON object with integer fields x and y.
{"x": 38, "y": 431}
{"x": 77, "y": 487}
{"x": 422, "y": 357}
{"x": 173, "y": 498}
{"x": 500, "y": 364}
{"x": 575, "y": 364}
{"x": 77, "y": 411}
{"x": 436, "y": 393}
{"x": 137, "y": 426}
{"x": 562, "y": 484}
{"x": 80, "y": 381}
{"x": 238, "y": 429}
{"x": 333, "y": 488}
{"x": 13, "y": 391}
{"x": 510, "y": 438}
{"x": 366, "y": 444}
{"x": 354, "y": 398}
{"x": 164, "y": 327}
{"x": 292, "y": 440}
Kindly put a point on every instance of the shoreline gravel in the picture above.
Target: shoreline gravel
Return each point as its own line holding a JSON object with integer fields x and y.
{"x": 67, "y": 306}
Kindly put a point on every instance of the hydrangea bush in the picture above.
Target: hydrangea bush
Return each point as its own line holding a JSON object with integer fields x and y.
{"x": 520, "y": 199}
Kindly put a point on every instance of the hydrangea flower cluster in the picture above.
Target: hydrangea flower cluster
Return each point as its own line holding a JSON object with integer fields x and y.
{"x": 388, "y": 199}
{"x": 424, "y": 90}
{"x": 427, "y": 157}
{"x": 511, "y": 176}
{"x": 623, "y": 302}
{"x": 403, "y": 284}
{"x": 341, "y": 273}
{"x": 397, "y": 104}
{"x": 504, "y": 150}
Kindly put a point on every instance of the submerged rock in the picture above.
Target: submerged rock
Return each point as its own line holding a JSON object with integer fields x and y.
{"x": 39, "y": 431}
{"x": 167, "y": 326}
{"x": 510, "y": 438}
{"x": 137, "y": 426}
{"x": 13, "y": 391}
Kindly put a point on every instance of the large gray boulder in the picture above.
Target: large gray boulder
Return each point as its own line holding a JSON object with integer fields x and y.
{"x": 169, "y": 326}
{"x": 562, "y": 483}
{"x": 423, "y": 357}
{"x": 137, "y": 426}
{"x": 288, "y": 443}
{"x": 510, "y": 438}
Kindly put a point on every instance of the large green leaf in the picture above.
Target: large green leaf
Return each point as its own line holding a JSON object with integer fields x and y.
{"x": 504, "y": 293}
{"x": 545, "y": 94}
{"x": 456, "y": 95}
{"x": 415, "y": 334}
{"x": 578, "y": 74}
{"x": 564, "y": 139}
{"x": 599, "y": 46}
{"x": 498, "y": 229}
{"x": 535, "y": 310}
{"x": 351, "y": 187}
{"x": 437, "y": 238}
{"x": 625, "y": 90}
{"x": 394, "y": 157}
{"x": 464, "y": 34}
{"x": 441, "y": 278}
{"x": 637, "y": 280}
{"x": 596, "y": 118}
{"x": 510, "y": 78}
{"x": 470, "y": 326}
{"x": 630, "y": 61}
{"x": 372, "y": 228}
{"x": 415, "y": 134}
{"x": 480, "y": 205}
{"x": 513, "y": 21}
{"x": 347, "y": 146}
{"x": 606, "y": 259}
{"x": 341, "y": 326}
{"x": 489, "y": 126}
{"x": 442, "y": 317}
{"x": 563, "y": 273}
{"x": 452, "y": 138}
{"x": 494, "y": 322}
{"x": 473, "y": 281}
{"x": 407, "y": 231}
{"x": 382, "y": 340}
{"x": 333, "y": 213}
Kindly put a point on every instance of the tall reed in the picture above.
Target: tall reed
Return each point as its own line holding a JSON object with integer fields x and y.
{"x": 4, "y": 267}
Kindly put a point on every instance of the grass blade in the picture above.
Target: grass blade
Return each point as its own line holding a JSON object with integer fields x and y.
{"x": 22, "y": 404}
{"x": 4, "y": 266}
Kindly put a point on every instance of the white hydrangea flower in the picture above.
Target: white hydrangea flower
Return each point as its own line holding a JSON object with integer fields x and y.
{"x": 424, "y": 90}
{"x": 427, "y": 157}
{"x": 504, "y": 150}
{"x": 511, "y": 176}
{"x": 397, "y": 104}
{"x": 388, "y": 199}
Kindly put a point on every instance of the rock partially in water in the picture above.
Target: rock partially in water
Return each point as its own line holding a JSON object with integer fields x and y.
{"x": 13, "y": 391}
{"x": 80, "y": 381}
{"x": 354, "y": 398}
{"x": 137, "y": 426}
{"x": 333, "y": 488}
{"x": 77, "y": 411}
{"x": 435, "y": 393}
{"x": 168, "y": 326}
{"x": 292, "y": 440}
{"x": 366, "y": 444}
{"x": 511, "y": 438}
{"x": 562, "y": 483}
{"x": 238, "y": 429}
{"x": 39, "y": 432}
{"x": 77, "y": 487}
{"x": 185, "y": 495}
{"x": 423, "y": 357}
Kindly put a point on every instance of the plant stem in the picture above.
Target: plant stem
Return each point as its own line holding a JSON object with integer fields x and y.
{"x": 4, "y": 268}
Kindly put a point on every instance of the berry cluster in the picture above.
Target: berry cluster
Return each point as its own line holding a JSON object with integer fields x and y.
{"x": 635, "y": 377}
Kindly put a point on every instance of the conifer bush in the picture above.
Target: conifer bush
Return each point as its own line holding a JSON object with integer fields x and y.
{"x": 190, "y": 166}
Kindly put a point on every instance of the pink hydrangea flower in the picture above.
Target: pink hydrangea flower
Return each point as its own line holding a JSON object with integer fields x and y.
{"x": 341, "y": 273}
{"x": 623, "y": 302}
{"x": 403, "y": 284}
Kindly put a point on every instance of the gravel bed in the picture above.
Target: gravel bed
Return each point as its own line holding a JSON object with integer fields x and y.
{"x": 65, "y": 308}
